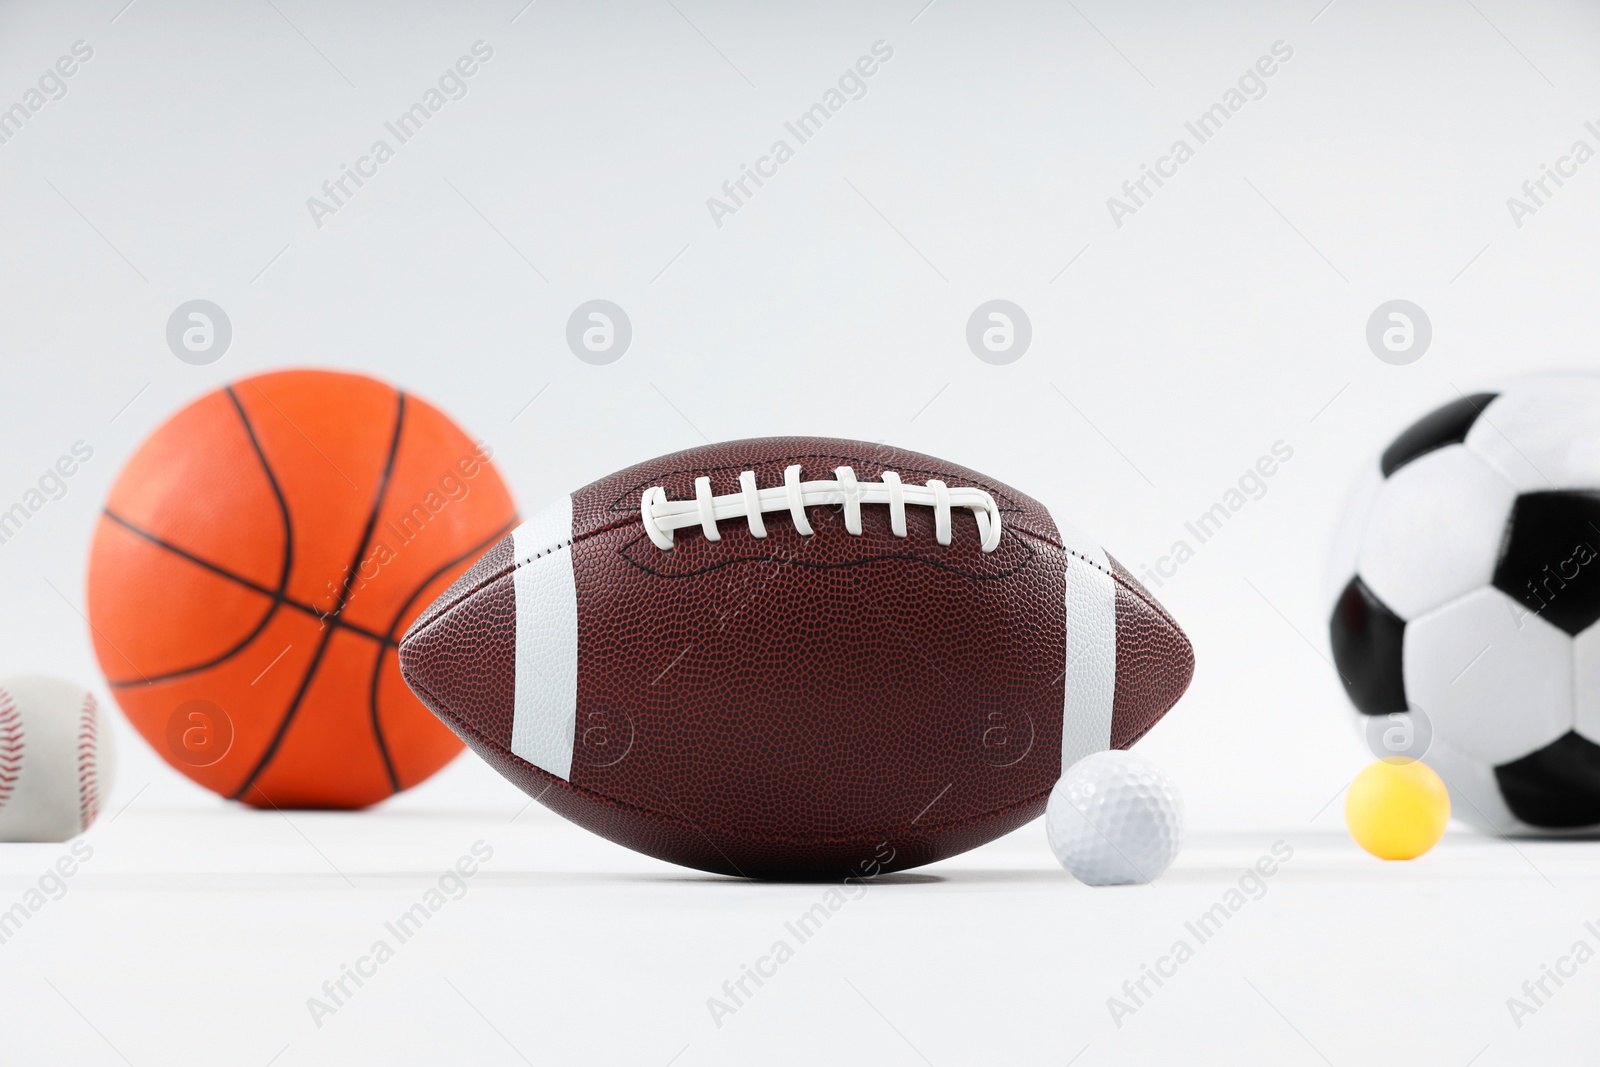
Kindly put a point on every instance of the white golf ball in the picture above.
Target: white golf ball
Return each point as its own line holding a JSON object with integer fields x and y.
{"x": 1115, "y": 819}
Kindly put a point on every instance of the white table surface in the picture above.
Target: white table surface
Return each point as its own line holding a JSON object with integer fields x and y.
{"x": 200, "y": 935}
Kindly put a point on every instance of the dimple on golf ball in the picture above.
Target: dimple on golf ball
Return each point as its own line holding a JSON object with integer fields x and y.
{"x": 1115, "y": 819}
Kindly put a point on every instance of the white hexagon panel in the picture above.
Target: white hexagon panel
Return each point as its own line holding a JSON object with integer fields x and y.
{"x": 1586, "y": 683}
{"x": 1540, "y": 435}
{"x": 1493, "y": 679}
{"x": 1409, "y": 557}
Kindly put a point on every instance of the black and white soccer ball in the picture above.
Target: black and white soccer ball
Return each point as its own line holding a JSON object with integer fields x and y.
{"x": 1465, "y": 602}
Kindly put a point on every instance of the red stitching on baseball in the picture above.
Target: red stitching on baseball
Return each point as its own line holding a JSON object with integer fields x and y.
{"x": 11, "y": 746}
{"x": 88, "y": 779}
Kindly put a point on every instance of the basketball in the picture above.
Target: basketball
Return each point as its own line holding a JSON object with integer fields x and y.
{"x": 256, "y": 563}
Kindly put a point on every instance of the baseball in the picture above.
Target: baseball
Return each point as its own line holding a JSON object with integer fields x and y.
{"x": 57, "y": 759}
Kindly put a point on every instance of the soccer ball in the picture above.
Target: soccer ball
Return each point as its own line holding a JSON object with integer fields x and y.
{"x": 1466, "y": 592}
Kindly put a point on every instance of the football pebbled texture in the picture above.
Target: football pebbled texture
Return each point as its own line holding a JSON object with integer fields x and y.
{"x": 786, "y": 705}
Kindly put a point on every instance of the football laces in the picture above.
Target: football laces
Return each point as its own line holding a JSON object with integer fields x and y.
{"x": 662, "y": 517}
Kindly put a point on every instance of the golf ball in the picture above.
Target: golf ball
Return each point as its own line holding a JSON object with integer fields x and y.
{"x": 1115, "y": 819}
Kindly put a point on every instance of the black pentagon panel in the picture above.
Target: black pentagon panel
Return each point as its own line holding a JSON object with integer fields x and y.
{"x": 1446, "y": 426}
{"x": 1550, "y": 557}
{"x": 1557, "y": 787}
{"x": 1367, "y": 638}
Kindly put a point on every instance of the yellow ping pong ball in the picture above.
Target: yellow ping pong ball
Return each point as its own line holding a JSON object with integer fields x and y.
{"x": 1397, "y": 808}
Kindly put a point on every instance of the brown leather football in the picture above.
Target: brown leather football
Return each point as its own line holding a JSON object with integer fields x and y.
{"x": 796, "y": 657}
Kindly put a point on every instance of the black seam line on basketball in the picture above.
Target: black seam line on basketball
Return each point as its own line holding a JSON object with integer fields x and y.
{"x": 388, "y": 636}
{"x": 377, "y": 728}
{"x": 425, "y": 622}
{"x": 383, "y": 649}
{"x": 334, "y": 625}
{"x": 254, "y": 587}
{"x": 385, "y": 640}
{"x": 261, "y": 625}
{"x": 339, "y": 604}
{"x": 283, "y": 569}
{"x": 272, "y": 479}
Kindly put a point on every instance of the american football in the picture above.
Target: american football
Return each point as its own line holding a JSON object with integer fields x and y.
{"x": 796, "y": 657}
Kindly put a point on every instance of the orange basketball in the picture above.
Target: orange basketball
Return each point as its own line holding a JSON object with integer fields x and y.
{"x": 258, "y": 560}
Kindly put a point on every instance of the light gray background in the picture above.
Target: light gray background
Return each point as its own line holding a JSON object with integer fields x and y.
{"x": 1168, "y": 355}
